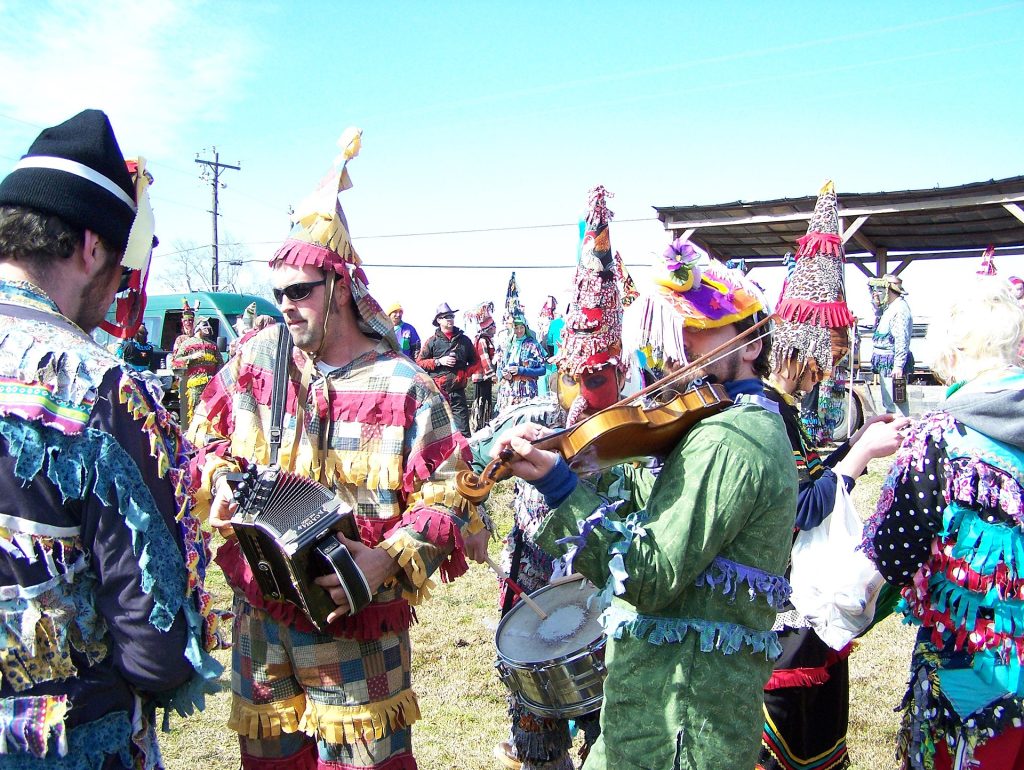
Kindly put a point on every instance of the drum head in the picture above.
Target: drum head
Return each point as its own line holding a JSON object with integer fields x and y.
{"x": 572, "y": 624}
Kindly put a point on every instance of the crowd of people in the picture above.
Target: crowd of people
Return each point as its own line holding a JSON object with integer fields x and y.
{"x": 106, "y": 540}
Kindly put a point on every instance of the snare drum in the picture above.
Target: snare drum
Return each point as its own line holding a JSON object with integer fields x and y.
{"x": 554, "y": 667}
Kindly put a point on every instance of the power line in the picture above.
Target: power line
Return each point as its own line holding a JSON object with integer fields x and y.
{"x": 416, "y": 235}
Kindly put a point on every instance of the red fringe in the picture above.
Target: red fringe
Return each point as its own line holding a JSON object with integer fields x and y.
{"x": 829, "y": 314}
{"x": 370, "y": 408}
{"x": 820, "y": 243}
{"x": 371, "y": 623}
{"x": 301, "y": 253}
{"x": 307, "y": 759}
{"x": 403, "y": 761}
{"x": 808, "y": 677}
{"x": 438, "y": 528}
{"x": 372, "y": 530}
{"x": 218, "y": 400}
{"x": 195, "y": 465}
{"x": 260, "y": 382}
{"x": 423, "y": 464}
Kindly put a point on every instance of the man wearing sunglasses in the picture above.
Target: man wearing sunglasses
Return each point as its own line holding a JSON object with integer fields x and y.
{"x": 449, "y": 355}
{"x": 365, "y": 421}
{"x": 103, "y": 587}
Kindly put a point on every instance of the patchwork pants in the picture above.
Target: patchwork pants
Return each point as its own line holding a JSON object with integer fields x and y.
{"x": 309, "y": 700}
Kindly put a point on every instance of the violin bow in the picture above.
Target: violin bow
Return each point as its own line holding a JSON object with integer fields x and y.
{"x": 726, "y": 348}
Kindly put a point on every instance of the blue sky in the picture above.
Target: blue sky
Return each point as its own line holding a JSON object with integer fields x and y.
{"x": 483, "y": 116}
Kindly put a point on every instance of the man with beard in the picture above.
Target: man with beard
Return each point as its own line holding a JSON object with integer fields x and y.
{"x": 696, "y": 571}
{"x": 449, "y": 355}
{"x": 366, "y": 422}
{"x": 101, "y": 560}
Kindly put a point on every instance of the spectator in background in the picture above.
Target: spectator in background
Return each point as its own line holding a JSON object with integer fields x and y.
{"x": 408, "y": 339}
{"x": 520, "y": 368}
{"x": 1017, "y": 288}
{"x": 194, "y": 358}
{"x": 891, "y": 357}
{"x": 483, "y": 376}
{"x": 948, "y": 532}
{"x": 137, "y": 351}
{"x": 448, "y": 356}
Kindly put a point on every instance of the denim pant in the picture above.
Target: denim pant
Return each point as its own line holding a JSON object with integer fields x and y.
{"x": 891, "y": 407}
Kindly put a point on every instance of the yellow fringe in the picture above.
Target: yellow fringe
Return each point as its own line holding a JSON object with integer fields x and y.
{"x": 370, "y": 721}
{"x": 405, "y": 550}
{"x": 267, "y": 720}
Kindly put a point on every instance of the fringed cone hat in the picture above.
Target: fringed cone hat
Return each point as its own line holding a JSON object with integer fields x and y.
{"x": 988, "y": 263}
{"x": 592, "y": 337}
{"x": 320, "y": 237}
{"x": 813, "y": 311}
{"x": 512, "y": 303}
{"x": 693, "y": 291}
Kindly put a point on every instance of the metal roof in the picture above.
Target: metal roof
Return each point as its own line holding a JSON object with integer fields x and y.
{"x": 937, "y": 223}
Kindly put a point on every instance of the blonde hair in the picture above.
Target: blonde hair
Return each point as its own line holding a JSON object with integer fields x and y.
{"x": 982, "y": 329}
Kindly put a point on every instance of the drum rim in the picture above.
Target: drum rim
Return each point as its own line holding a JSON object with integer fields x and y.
{"x": 600, "y": 640}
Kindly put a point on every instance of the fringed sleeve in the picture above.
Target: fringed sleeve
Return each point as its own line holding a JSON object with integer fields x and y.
{"x": 429, "y": 536}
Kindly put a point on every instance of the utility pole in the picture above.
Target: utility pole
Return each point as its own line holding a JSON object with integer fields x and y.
{"x": 211, "y": 174}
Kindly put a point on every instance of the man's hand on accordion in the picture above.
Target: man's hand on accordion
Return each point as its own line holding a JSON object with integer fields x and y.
{"x": 222, "y": 509}
{"x": 376, "y": 564}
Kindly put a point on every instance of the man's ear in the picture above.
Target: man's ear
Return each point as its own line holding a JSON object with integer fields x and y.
{"x": 93, "y": 254}
{"x": 750, "y": 352}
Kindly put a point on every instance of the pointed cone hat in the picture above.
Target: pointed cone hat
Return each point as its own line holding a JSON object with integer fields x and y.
{"x": 320, "y": 237}
{"x": 813, "y": 306}
{"x": 592, "y": 336}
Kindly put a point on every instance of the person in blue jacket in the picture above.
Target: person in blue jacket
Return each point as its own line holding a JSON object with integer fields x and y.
{"x": 521, "y": 366}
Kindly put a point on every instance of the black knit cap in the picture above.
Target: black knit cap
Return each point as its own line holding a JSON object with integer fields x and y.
{"x": 85, "y": 139}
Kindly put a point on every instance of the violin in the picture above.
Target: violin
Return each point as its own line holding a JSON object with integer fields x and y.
{"x": 617, "y": 434}
{"x": 623, "y": 431}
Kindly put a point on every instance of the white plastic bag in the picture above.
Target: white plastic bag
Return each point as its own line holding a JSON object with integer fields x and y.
{"x": 835, "y": 586}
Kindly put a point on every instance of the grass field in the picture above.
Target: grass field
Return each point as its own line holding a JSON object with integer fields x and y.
{"x": 463, "y": 703}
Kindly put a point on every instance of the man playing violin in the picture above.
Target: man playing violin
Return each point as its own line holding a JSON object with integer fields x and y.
{"x": 695, "y": 574}
{"x": 590, "y": 373}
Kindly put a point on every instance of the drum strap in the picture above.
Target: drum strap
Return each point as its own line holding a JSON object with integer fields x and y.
{"x": 513, "y": 570}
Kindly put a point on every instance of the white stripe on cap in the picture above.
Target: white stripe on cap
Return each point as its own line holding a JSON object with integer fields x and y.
{"x": 78, "y": 169}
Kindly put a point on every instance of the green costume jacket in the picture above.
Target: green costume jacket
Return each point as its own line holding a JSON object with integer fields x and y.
{"x": 697, "y": 578}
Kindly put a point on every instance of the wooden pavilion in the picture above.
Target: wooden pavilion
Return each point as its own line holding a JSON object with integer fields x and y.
{"x": 878, "y": 229}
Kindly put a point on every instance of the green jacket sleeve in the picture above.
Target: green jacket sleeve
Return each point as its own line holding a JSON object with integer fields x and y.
{"x": 696, "y": 508}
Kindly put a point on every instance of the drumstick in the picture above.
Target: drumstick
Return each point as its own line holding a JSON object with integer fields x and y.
{"x": 515, "y": 587}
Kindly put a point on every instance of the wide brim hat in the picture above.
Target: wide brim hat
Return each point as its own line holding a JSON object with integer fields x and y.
{"x": 443, "y": 309}
{"x": 601, "y": 289}
{"x": 894, "y": 283}
{"x": 320, "y": 237}
{"x": 813, "y": 305}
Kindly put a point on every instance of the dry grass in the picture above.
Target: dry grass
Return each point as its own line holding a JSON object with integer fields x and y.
{"x": 463, "y": 702}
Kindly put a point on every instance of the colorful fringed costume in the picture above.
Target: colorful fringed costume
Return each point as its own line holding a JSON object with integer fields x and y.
{"x": 196, "y": 358}
{"x": 807, "y": 699}
{"x": 696, "y": 580}
{"x": 102, "y": 563}
{"x": 391, "y": 452}
{"x": 525, "y": 354}
{"x": 948, "y": 529}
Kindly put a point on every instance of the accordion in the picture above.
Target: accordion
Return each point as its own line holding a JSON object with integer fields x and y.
{"x": 285, "y": 524}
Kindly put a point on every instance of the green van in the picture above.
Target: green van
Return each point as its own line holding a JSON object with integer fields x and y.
{"x": 163, "y": 321}
{"x": 163, "y": 318}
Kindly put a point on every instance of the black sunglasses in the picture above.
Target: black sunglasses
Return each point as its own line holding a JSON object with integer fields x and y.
{"x": 297, "y": 292}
